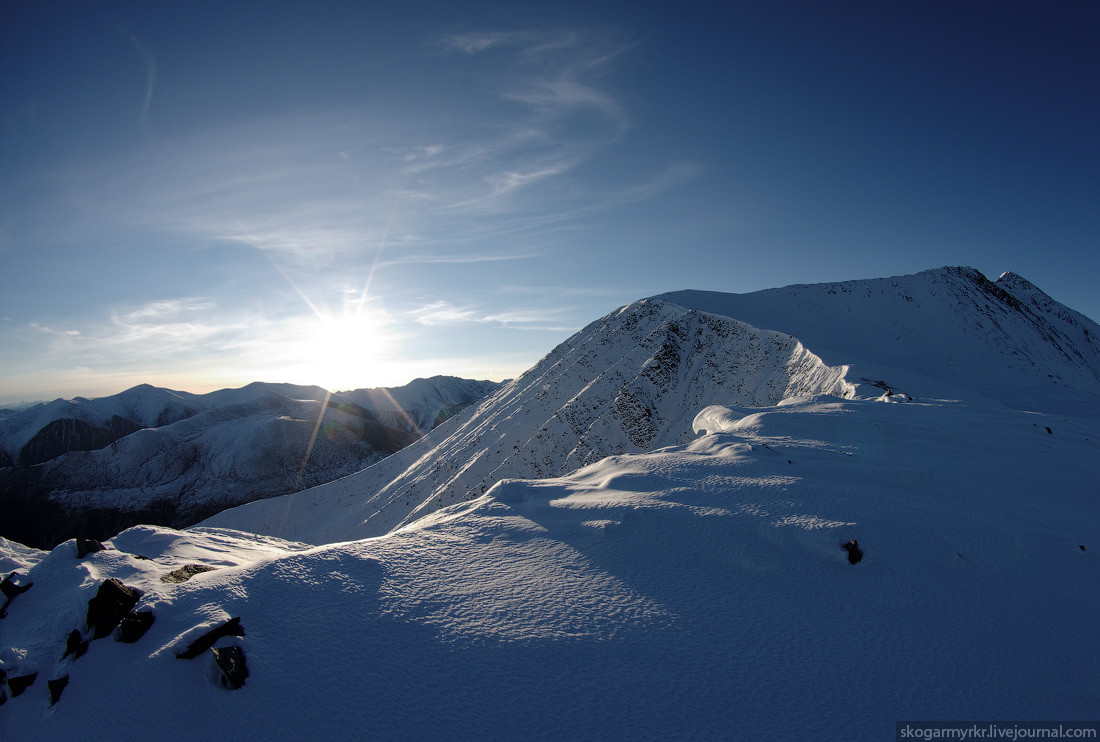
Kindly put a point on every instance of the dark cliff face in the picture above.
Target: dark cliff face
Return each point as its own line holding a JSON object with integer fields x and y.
{"x": 62, "y": 436}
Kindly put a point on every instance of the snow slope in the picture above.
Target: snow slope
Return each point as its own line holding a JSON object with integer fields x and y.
{"x": 697, "y": 591}
{"x": 627, "y": 383}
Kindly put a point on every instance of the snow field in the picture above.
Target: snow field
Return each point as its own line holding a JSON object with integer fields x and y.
{"x": 698, "y": 591}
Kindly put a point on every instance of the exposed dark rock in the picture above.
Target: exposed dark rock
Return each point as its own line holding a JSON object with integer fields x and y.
{"x": 19, "y": 684}
{"x": 134, "y": 625}
{"x": 10, "y": 589}
{"x": 185, "y": 573}
{"x": 854, "y": 552}
{"x": 86, "y": 546}
{"x": 75, "y": 645}
{"x": 232, "y": 627}
{"x": 69, "y": 434}
{"x": 113, "y": 601}
{"x": 230, "y": 661}
{"x": 56, "y": 686}
{"x": 1082, "y": 547}
{"x": 1049, "y": 430}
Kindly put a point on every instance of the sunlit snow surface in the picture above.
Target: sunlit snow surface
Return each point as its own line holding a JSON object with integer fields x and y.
{"x": 697, "y": 591}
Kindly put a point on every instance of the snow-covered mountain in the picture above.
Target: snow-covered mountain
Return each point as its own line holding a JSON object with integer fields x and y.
{"x": 634, "y": 380}
{"x": 179, "y": 457}
{"x": 1005, "y": 340}
{"x": 657, "y": 552}
{"x": 47, "y": 430}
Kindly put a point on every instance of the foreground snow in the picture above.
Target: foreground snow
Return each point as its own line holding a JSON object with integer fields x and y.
{"x": 695, "y": 591}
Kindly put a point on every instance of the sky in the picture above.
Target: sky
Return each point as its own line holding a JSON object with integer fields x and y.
{"x": 200, "y": 195}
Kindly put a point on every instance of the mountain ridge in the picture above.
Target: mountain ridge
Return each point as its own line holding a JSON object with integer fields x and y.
{"x": 633, "y": 381}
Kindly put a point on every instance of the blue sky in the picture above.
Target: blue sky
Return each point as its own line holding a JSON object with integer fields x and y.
{"x": 199, "y": 195}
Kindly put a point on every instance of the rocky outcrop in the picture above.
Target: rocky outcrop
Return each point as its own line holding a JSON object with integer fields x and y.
{"x": 232, "y": 627}
{"x": 12, "y": 586}
{"x": 134, "y": 625}
{"x": 230, "y": 660}
{"x": 111, "y": 603}
{"x": 185, "y": 573}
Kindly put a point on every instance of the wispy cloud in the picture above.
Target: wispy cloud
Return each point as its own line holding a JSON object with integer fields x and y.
{"x": 319, "y": 187}
{"x": 443, "y": 313}
{"x": 150, "y": 65}
{"x": 479, "y": 41}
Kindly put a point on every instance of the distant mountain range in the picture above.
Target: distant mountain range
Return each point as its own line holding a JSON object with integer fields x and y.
{"x": 94, "y": 466}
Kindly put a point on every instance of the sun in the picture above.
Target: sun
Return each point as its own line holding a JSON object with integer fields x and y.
{"x": 350, "y": 350}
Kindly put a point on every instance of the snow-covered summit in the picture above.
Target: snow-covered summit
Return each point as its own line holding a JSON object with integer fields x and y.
{"x": 943, "y": 332}
{"x": 629, "y": 382}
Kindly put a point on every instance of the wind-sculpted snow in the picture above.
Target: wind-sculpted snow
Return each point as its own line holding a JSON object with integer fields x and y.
{"x": 630, "y": 382}
{"x": 695, "y": 592}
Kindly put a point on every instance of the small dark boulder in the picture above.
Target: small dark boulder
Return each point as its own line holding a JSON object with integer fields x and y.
{"x": 9, "y": 587}
{"x": 134, "y": 625}
{"x": 232, "y": 627}
{"x": 86, "y": 546}
{"x": 56, "y": 686}
{"x": 1049, "y": 430}
{"x": 1082, "y": 547}
{"x": 230, "y": 660}
{"x": 21, "y": 683}
{"x": 75, "y": 645}
{"x": 10, "y": 590}
{"x": 185, "y": 573}
{"x": 855, "y": 554}
{"x": 113, "y": 601}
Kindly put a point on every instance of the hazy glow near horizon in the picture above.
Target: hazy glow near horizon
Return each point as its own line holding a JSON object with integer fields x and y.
{"x": 349, "y": 195}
